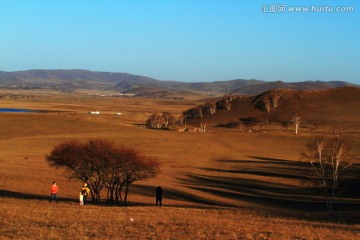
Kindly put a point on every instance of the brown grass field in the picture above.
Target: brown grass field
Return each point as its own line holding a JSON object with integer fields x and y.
{"x": 222, "y": 184}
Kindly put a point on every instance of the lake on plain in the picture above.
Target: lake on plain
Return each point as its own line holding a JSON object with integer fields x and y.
{"x": 16, "y": 110}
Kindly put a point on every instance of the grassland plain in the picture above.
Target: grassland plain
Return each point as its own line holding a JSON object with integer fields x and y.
{"x": 31, "y": 219}
{"x": 225, "y": 184}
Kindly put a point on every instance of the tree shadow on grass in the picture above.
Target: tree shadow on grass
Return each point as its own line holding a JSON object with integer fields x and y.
{"x": 351, "y": 186}
{"x": 268, "y": 182}
{"x": 254, "y": 191}
{"x": 26, "y": 196}
{"x": 19, "y": 195}
{"x": 174, "y": 194}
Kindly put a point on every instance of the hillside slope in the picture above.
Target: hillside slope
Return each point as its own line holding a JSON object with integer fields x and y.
{"x": 306, "y": 85}
{"x": 336, "y": 107}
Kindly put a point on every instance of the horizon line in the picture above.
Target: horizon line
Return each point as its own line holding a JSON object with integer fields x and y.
{"x": 244, "y": 79}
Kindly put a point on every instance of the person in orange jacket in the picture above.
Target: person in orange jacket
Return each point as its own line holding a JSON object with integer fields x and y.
{"x": 53, "y": 192}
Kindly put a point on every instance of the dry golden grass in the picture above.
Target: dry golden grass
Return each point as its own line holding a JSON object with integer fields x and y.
{"x": 258, "y": 174}
{"x": 26, "y": 219}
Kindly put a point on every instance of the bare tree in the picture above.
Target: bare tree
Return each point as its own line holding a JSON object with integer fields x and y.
{"x": 115, "y": 177}
{"x": 86, "y": 162}
{"x": 196, "y": 112}
{"x": 202, "y": 127}
{"x": 156, "y": 120}
{"x": 336, "y": 132}
{"x": 168, "y": 119}
{"x": 101, "y": 163}
{"x": 267, "y": 105}
{"x": 128, "y": 166}
{"x": 296, "y": 120}
{"x": 138, "y": 168}
{"x": 275, "y": 100}
{"x": 225, "y": 103}
{"x": 229, "y": 97}
{"x": 209, "y": 108}
{"x": 330, "y": 161}
{"x": 182, "y": 120}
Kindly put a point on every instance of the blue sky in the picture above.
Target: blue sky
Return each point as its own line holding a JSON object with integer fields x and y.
{"x": 183, "y": 40}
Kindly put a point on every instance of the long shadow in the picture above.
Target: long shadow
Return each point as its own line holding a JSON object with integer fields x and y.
{"x": 19, "y": 195}
{"x": 351, "y": 186}
{"x": 174, "y": 194}
{"x": 269, "y": 161}
{"x": 259, "y": 172}
{"x": 245, "y": 185}
{"x": 255, "y": 191}
{"x": 26, "y": 196}
{"x": 251, "y": 186}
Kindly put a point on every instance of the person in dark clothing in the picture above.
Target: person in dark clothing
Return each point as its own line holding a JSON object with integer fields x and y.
{"x": 159, "y": 192}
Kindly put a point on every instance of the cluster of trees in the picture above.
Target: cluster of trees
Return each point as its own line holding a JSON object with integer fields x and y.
{"x": 210, "y": 108}
{"x": 161, "y": 120}
{"x": 101, "y": 164}
{"x": 268, "y": 99}
{"x": 165, "y": 119}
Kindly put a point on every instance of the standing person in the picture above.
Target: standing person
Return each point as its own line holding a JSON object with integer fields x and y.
{"x": 53, "y": 192}
{"x": 85, "y": 192}
{"x": 81, "y": 198}
{"x": 159, "y": 192}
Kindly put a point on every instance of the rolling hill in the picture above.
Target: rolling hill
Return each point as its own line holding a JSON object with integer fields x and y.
{"x": 72, "y": 80}
{"x": 225, "y": 184}
{"x": 316, "y": 107}
{"x": 306, "y": 85}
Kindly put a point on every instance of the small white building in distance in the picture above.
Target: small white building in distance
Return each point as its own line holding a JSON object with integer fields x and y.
{"x": 94, "y": 112}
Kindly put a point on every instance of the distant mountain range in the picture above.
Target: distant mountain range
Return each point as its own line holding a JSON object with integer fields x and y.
{"x": 71, "y": 80}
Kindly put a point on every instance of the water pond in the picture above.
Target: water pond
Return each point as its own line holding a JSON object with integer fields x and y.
{"x": 16, "y": 110}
